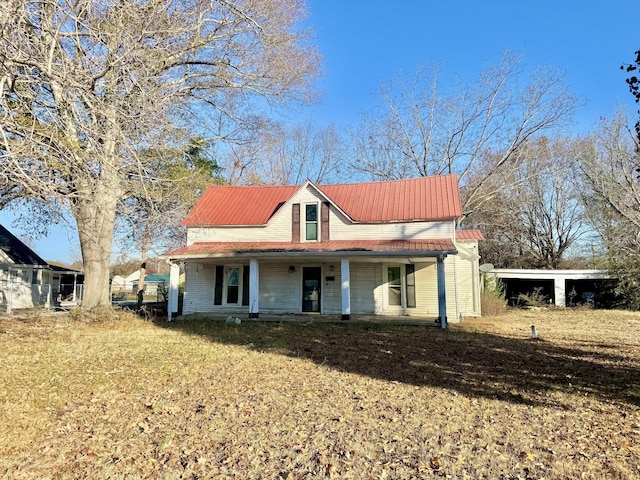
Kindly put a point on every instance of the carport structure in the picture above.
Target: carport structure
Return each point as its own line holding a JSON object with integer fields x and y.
{"x": 557, "y": 284}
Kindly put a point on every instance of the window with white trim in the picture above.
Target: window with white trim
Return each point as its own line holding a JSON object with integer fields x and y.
{"x": 394, "y": 285}
{"x": 401, "y": 286}
{"x": 21, "y": 275}
{"x": 311, "y": 221}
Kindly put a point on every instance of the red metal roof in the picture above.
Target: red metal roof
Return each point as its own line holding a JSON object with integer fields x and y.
{"x": 416, "y": 199}
{"x": 469, "y": 235}
{"x": 424, "y": 198}
{"x": 238, "y": 205}
{"x": 234, "y": 248}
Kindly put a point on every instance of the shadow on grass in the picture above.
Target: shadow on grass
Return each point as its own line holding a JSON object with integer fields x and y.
{"x": 484, "y": 365}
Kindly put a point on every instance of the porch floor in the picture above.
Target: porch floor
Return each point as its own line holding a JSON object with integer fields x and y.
{"x": 309, "y": 318}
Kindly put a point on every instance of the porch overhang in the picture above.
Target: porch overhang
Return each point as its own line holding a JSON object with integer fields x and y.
{"x": 351, "y": 248}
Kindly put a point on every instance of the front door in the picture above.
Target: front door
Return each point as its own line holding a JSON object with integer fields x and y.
{"x": 311, "y": 281}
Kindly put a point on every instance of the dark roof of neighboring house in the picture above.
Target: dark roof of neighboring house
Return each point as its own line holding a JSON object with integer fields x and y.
{"x": 415, "y": 199}
{"x": 17, "y": 251}
{"x": 389, "y": 246}
{"x": 60, "y": 268}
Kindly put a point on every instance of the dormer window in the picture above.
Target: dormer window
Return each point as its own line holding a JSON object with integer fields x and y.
{"x": 311, "y": 221}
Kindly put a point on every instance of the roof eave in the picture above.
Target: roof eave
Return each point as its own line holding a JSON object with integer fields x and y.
{"x": 311, "y": 253}
{"x": 227, "y": 225}
{"x": 360, "y": 222}
{"x": 412, "y": 220}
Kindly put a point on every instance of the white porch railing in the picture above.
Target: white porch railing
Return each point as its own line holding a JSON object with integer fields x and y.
{"x": 14, "y": 295}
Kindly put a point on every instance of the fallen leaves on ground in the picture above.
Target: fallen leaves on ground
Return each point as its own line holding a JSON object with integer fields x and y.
{"x": 204, "y": 399}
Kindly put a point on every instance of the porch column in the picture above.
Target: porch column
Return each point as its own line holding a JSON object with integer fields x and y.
{"x": 254, "y": 288}
{"x": 75, "y": 282}
{"x": 559, "y": 291}
{"x": 172, "y": 301}
{"x": 49, "y": 288}
{"x": 346, "y": 288}
{"x": 10, "y": 285}
{"x": 442, "y": 296}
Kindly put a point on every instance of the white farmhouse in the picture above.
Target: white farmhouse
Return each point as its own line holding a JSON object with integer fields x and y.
{"x": 379, "y": 248}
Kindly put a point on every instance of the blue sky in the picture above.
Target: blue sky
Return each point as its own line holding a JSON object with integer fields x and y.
{"x": 367, "y": 42}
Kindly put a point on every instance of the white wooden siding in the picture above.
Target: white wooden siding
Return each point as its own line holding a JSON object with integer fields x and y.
{"x": 331, "y": 293}
{"x": 365, "y": 287}
{"x": 427, "y": 289}
{"x": 280, "y": 291}
{"x": 199, "y": 287}
{"x": 343, "y": 229}
{"x": 279, "y": 231}
{"x": 465, "y": 278}
{"x": 16, "y": 287}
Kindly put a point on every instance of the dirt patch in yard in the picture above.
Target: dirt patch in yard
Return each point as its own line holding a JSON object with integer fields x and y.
{"x": 202, "y": 399}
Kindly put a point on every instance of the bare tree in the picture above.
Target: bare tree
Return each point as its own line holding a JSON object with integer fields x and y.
{"x": 614, "y": 202}
{"x": 533, "y": 214}
{"x": 87, "y": 85}
{"x": 634, "y": 86}
{"x": 421, "y": 131}
{"x": 287, "y": 155}
{"x": 612, "y": 169}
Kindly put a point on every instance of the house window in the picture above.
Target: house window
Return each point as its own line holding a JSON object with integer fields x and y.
{"x": 395, "y": 285}
{"x": 311, "y": 221}
{"x": 21, "y": 275}
{"x": 401, "y": 286}
{"x": 233, "y": 284}
{"x": 34, "y": 277}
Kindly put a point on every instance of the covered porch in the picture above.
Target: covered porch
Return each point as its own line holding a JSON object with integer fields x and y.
{"x": 396, "y": 280}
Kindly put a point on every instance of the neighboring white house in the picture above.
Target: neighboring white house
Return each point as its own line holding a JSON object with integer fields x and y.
{"x": 26, "y": 280}
{"x": 120, "y": 283}
{"x": 377, "y": 248}
{"x": 153, "y": 282}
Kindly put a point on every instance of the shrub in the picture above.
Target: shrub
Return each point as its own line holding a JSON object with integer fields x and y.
{"x": 533, "y": 299}
{"x": 493, "y": 299}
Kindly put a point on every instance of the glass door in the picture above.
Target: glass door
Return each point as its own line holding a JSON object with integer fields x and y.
{"x": 311, "y": 281}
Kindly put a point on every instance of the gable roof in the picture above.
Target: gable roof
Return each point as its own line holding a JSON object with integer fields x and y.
{"x": 17, "y": 251}
{"x": 415, "y": 199}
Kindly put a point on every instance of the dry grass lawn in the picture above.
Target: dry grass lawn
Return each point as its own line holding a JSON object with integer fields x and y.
{"x": 123, "y": 398}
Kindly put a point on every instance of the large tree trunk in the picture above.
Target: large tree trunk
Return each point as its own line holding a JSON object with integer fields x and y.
{"x": 95, "y": 217}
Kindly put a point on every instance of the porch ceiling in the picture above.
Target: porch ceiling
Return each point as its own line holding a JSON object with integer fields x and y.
{"x": 427, "y": 248}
